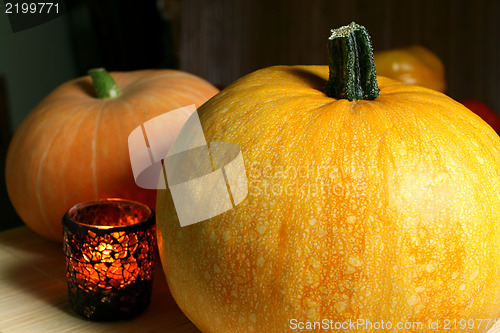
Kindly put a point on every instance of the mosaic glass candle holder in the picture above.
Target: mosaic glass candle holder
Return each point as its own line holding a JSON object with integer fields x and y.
{"x": 110, "y": 247}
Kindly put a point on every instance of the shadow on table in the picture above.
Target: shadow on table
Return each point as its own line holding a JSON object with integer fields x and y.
{"x": 34, "y": 271}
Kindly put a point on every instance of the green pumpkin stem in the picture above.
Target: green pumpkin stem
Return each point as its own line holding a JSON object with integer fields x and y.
{"x": 104, "y": 85}
{"x": 352, "y": 67}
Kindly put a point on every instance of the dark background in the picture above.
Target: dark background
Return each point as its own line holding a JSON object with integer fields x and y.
{"x": 221, "y": 40}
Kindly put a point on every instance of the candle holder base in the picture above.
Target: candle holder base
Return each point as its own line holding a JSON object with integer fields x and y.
{"x": 107, "y": 305}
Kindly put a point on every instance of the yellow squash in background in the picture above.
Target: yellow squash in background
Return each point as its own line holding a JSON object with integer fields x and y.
{"x": 413, "y": 65}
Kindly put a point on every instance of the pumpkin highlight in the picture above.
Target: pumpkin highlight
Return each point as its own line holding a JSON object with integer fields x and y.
{"x": 380, "y": 210}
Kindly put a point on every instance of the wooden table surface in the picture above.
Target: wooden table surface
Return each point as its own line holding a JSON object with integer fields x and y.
{"x": 33, "y": 293}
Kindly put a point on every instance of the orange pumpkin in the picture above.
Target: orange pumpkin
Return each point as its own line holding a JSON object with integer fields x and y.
{"x": 73, "y": 146}
{"x": 363, "y": 205}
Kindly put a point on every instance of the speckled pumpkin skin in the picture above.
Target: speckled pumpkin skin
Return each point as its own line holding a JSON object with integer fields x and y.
{"x": 391, "y": 213}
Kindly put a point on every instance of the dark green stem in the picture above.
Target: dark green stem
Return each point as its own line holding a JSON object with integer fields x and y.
{"x": 104, "y": 85}
{"x": 352, "y": 68}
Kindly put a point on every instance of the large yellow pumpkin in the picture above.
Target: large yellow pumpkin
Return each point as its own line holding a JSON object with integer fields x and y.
{"x": 73, "y": 146}
{"x": 363, "y": 207}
